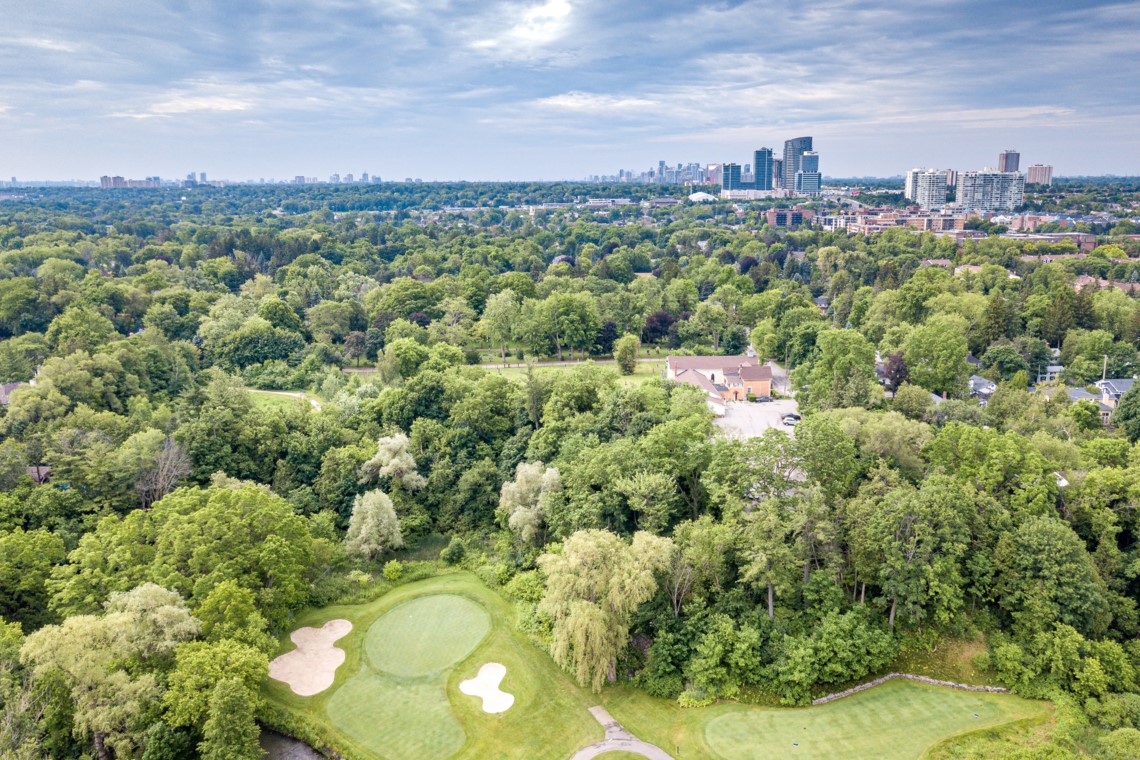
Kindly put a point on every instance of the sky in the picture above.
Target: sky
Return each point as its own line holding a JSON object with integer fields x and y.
{"x": 560, "y": 89}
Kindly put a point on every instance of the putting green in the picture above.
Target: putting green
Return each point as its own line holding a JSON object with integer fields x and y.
{"x": 899, "y": 719}
{"x": 426, "y": 635}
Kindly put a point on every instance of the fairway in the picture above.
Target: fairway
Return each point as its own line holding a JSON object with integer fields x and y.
{"x": 899, "y": 719}
{"x": 426, "y": 635}
{"x": 394, "y": 719}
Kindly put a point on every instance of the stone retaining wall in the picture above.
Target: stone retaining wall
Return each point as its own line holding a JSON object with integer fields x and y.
{"x": 909, "y": 677}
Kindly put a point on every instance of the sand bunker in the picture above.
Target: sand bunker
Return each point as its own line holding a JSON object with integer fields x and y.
{"x": 486, "y": 685}
{"x": 311, "y": 667}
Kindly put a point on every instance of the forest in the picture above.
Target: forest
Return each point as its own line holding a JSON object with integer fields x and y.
{"x": 161, "y": 522}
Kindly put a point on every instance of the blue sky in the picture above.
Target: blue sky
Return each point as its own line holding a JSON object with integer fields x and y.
{"x": 550, "y": 89}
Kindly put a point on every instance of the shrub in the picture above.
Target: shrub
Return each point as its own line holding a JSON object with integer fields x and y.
{"x": 393, "y": 569}
{"x": 454, "y": 552}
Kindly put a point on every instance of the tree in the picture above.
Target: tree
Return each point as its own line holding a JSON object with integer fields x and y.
{"x": 79, "y": 328}
{"x": 26, "y": 562}
{"x": 592, "y": 590}
{"x": 199, "y": 666}
{"x": 231, "y": 732}
{"x": 841, "y": 374}
{"x": 1127, "y": 413}
{"x": 190, "y": 541}
{"x": 626, "y": 349}
{"x": 499, "y": 318}
{"x": 113, "y": 701}
{"x": 936, "y": 354}
{"x": 393, "y": 460}
{"x": 230, "y": 612}
{"x": 1046, "y": 576}
{"x": 918, "y": 539}
{"x": 374, "y": 527}
{"x": 914, "y": 401}
{"x": 653, "y": 496}
{"x": 524, "y": 501}
{"x": 766, "y": 548}
{"x": 153, "y": 463}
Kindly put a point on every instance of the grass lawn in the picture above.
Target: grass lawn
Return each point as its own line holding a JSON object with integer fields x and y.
{"x": 900, "y": 719}
{"x": 646, "y": 371}
{"x": 381, "y": 715}
{"x": 271, "y": 400}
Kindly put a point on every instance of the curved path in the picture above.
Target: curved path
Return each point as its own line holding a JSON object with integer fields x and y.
{"x": 618, "y": 740}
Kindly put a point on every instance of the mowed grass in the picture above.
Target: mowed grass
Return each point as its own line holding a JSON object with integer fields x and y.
{"x": 272, "y": 400}
{"x": 426, "y": 635}
{"x": 549, "y": 719}
{"x": 395, "y": 719}
{"x": 645, "y": 372}
{"x": 899, "y": 719}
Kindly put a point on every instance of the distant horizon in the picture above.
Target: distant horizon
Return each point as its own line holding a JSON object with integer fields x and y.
{"x": 5, "y": 182}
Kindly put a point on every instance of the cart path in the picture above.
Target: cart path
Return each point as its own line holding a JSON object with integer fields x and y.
{"x": 618, "y": 740}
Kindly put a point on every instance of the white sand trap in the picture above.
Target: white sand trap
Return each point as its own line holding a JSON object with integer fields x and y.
{"x": 311, "y": 667}
{"x": 486, "y": 685}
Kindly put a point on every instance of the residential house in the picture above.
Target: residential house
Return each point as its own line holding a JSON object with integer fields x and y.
{"x": 6, "y": 392}
{"x": 981, "y": 389}
{"x": 1113, "y": 388}
{"x": 723, "y": 378}
{"x": 1052, "y": 373}
{"x": 1080, "y": 394}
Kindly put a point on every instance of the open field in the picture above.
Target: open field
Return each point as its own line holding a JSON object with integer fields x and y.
{"x": 397, "y": 696}
{"x": 646, "y": 371}
{"x": 268, "y": 400}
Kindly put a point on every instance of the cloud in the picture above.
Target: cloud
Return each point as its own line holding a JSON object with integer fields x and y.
{"x": 593, "y": 103}
{"x": 529, "y": 29}
{"x": 574, "y": 85}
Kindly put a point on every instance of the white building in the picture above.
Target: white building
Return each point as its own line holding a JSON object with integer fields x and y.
{"x": 926, "y": 187}
{"x": 990, "y": 190}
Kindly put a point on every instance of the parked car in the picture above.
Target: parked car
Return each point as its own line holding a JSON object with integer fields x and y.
{"x": 763, "y": 399}
{"x": 791, "y": 418}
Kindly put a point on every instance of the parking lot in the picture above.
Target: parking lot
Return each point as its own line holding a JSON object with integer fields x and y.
{"x": 750, "y": 420}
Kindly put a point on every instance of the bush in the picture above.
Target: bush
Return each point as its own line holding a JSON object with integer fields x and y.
{"x": 393, "y": 570}
{"x": 454, "y": 552}
{"x": 1121, "y": 744}
{"x": 525, "y": 587}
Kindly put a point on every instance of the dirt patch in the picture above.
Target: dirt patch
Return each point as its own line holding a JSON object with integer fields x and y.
{"x": 311, "y": 667}
{"x": 486, "y": 685}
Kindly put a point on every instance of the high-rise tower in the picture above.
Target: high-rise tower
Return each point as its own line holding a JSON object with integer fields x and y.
{"x": 1009, "y": 160}
{"x": 762, "y": 168}
{"x": 794, "y": 150}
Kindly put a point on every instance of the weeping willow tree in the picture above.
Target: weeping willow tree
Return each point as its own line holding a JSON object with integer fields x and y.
{"x": 593, "y": 588}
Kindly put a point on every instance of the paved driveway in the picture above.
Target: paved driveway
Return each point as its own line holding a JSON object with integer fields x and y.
{"x": 750, "y": 420}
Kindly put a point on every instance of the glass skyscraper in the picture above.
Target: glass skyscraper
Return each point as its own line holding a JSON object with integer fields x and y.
{"x": 794, "y": 150}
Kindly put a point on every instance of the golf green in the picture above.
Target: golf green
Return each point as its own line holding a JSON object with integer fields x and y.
{"x": 426, "y": 635}
{"x": 899, "y": 719}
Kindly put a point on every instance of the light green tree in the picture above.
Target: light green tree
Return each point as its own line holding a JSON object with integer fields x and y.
{"x": 626, "y": 349}
{"x": 373, "y": 528}
{"x": 231, "y": 731}
{"x": 592, "y": 590}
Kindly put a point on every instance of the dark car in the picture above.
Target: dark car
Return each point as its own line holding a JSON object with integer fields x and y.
{"x": 791, "y": 418}
{"x": 762, "y": 399}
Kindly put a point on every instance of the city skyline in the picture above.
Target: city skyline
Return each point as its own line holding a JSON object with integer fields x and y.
{"x": 559, "y": 89}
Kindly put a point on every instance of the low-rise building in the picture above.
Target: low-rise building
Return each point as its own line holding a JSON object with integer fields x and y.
{"x": 726, "y": 378}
